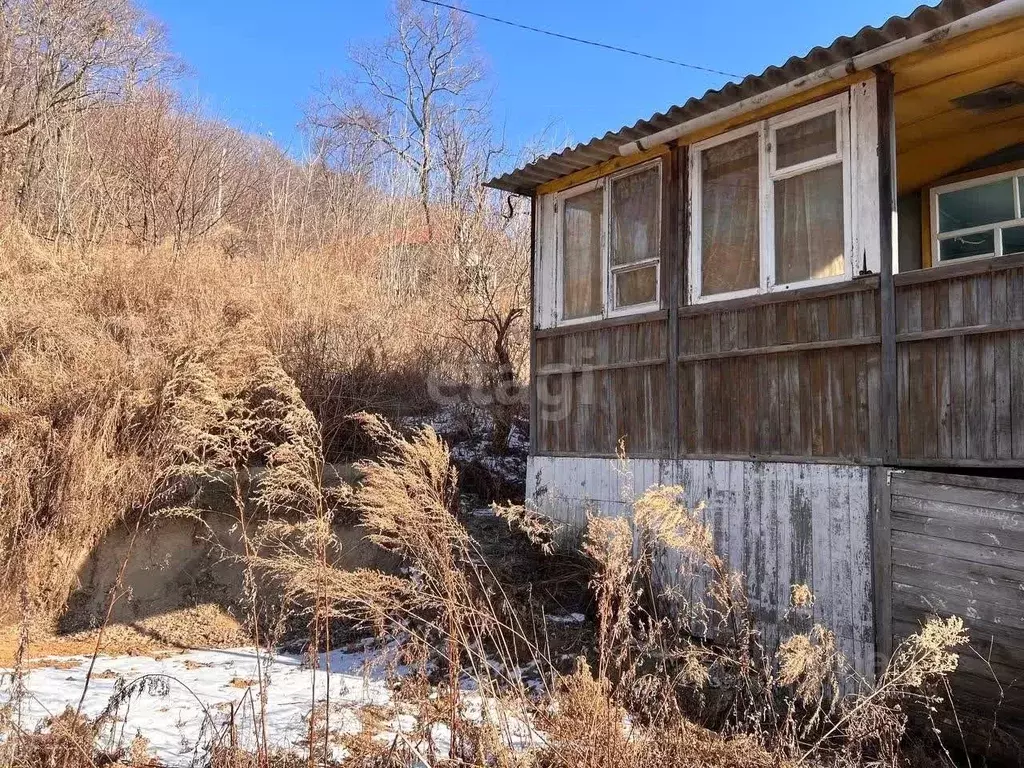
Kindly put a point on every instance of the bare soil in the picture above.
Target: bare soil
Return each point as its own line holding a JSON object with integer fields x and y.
{"x": 204, "y": 626}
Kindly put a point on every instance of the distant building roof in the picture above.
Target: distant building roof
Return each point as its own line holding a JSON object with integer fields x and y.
{"x": 922, "y": 20}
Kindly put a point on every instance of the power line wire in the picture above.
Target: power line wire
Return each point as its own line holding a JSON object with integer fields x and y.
{"x": 577, "y": 39}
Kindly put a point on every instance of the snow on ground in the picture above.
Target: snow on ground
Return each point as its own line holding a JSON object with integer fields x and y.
{"x": 572, "y": 618}
{"x": 185, "y": 701}
{"x": 467, "y": 429}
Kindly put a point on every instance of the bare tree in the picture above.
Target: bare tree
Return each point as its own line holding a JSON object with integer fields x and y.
{"x": 423, "y": 75}
{"x": 61, "y": 57}
{"x": 417, "y": 102}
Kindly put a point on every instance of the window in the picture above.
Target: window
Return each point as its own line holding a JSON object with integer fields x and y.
{"x": 636, "y": 237}
{"x": 980, "y": 217}
{"x": 771, "y": 204}
{"x": 583, "y": 228}
{"x": 610, "y": 244}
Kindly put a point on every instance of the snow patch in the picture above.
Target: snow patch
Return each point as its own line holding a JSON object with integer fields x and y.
{"x": 182, "y": 704}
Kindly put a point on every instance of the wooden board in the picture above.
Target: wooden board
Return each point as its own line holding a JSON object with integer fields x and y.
{"x": 957, "y": 548}
{"x": 778, "y": 523}
{"x": 934, "y": 138}
{"x": 600, "y": 385}
{"x": 775, "y": 378}
{"x": 960, "y": 338}
{"x": 602, "y": 169}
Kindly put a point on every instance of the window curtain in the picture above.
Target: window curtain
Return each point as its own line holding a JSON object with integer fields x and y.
{"x": 809, "y": 225}
{"x": 729, "y": 216}
{"x": 635, "y": 220}
{"x": 581, "y": 265}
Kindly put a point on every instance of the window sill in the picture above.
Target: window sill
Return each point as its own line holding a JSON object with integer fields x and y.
{"x": 577, "y": 326}
{"x": 632, "y": 311}
{"x": 959, "y": 268}
{"x": 833, "y": 288}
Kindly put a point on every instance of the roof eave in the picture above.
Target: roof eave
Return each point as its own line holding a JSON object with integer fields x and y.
{"x": 870, "y": 47}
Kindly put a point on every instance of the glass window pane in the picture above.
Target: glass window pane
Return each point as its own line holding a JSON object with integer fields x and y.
{"x": 636, "y": 286}
{"x": 729, "y": 217}
{"x": 636, "y": 220}
{"x": 975, "y": 206}
{"x": 583, "y": 217}
{"x": 978, "y": 244}
{"x": 805, "y": 141}
{"x": 809, "y": 226}
{"x": 1013, "y": 240}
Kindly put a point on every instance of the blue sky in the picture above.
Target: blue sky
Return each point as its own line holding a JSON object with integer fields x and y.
{"x": 257, "y": 62}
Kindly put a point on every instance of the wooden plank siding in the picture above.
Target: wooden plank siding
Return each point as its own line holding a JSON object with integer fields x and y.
{"x": 958, "y": 549}
{"x": 597, "y": 386}
{"x": 778, "y": 524}
{"x": 923, "y": 368}
{"x": 960, "y": 347}
{"x": 783, "y": 376}
{"x": 798, "y": 376}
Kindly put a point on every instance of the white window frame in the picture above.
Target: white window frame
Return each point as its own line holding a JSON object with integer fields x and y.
{"x": 608, "y": 308}
{"x": 768, "y": 173}
{"x": 997, "y": 227}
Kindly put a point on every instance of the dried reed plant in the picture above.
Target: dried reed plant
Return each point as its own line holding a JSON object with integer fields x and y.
{"x": 90, "y": 339}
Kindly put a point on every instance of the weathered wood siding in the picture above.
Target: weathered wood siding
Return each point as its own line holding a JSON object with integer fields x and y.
{"x": 799, "y": 376}
{"x": 960, "y": 346}
{"x": 958, "y": 549}
{"x": 778, "y": 523}
{"x": 924, "y": 368}
{"x": 599, "y": 385}
{"x": 782, "y": 376}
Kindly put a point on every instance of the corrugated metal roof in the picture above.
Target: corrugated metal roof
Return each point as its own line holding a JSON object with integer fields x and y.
{"x": 923, "y": 20}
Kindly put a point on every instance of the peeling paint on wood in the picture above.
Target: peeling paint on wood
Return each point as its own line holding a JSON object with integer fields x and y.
{"x": 778, "y": 523}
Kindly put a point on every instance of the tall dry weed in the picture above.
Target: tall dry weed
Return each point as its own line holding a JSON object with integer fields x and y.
{"x": 679, "y": 640}
{"x": 90, "y": 339}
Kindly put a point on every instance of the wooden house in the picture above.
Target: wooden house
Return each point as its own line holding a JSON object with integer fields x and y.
{"x": 801, "y": 297}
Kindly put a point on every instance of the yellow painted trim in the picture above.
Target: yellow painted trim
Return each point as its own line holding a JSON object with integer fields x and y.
{"x": 924, "y": 101}
{"x": 603, "y": 169}
{"x": 941, "y": 56}
{"x": 927, "y": 163}
{"x": 952, "y": 125}
{"x": 770, "y": 110}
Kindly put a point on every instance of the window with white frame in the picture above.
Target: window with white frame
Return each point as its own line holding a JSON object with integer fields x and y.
{"x": 979, "y": 217}
{"x": 770, "y": 204}
{"x": 610, "y": 244}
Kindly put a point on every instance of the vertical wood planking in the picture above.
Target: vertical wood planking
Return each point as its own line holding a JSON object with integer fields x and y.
{"x": 815, "y": 482}
{"x": 841, "y": 557}
{"x": 743, "y": 392}
{"x": 534, "y": 319}
{"x": 1017, "y": 395}
{"x": 546, "y": 278}
{"x": 864, "y": 170}
{"x": 676, "y": 225}
{"x": 861, "y": 595}
{"x": 612, "y": 383}
{"x": 959, "y": 381}
{"x": 779, "y": 523}
{"x": 881, "y": 555}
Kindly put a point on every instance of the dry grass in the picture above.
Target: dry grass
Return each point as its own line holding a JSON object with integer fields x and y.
{"x": 638, "y": 700}
{"x": 89, "y": 341}
{"x": 630, "y": 705}
{"x": 130, "y": 381}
